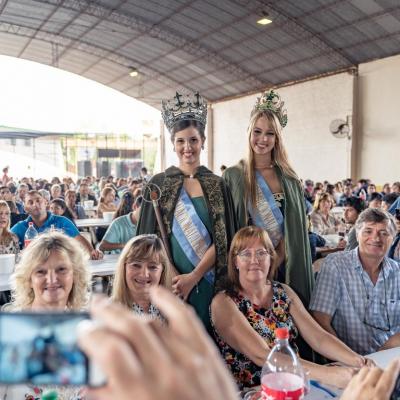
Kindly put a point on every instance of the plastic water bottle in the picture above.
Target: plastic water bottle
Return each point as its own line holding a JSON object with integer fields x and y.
{"x": 282, "y": 376}
{"x": 30, "y": 234}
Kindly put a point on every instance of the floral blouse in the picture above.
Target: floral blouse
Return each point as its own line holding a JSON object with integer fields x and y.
{"x": 12, "y": 247}
{"x": 264, "y": 321}
{"x": 153, "y": 312}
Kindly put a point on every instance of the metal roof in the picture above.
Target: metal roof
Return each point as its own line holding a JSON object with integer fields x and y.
{"x": 215, "y": 47}
{"x": 7, "y": 132}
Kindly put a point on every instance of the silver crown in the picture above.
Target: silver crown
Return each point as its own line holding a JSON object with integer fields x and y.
{"x": 271, "y": 101}
{"x": 184, "y": 107}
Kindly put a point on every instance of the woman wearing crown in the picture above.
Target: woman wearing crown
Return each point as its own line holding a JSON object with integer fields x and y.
{"x": 267, "y": 192}
{"x": 196, "y": 208}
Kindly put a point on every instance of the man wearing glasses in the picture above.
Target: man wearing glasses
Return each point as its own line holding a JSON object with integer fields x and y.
{"x": 357, "y": 293}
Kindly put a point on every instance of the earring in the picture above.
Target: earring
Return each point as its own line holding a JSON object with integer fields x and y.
{"x": 202, "y": 146}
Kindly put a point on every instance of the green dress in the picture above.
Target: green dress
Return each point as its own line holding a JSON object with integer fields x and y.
{"x": 215, "y": 210}
{"x": 200, "y": 297}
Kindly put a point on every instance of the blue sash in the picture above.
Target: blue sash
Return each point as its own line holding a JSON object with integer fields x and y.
{"x": 267, "y": 214}
{"x": 191, "y": 233}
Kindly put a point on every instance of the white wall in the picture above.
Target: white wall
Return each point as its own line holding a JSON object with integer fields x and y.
{"x": 378, "y": 146}
{"x": 313, "y": 151}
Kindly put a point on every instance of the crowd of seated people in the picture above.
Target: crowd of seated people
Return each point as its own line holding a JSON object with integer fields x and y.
{"x": 354, "y": 282}
{"x": 350, "y": 199}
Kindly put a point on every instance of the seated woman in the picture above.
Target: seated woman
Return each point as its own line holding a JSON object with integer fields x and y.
{"x": 58, "y": 207}
{"x": 51, "y": 258}
{"x": 56, "y": 191}
{"x": 77, "y": 211}
{"x": 106, "y": 203}
{"x": 143, "y": 263}
{"x": 8, "y": 241}
{"x": 322, "y": 220}
{"x": 246, "y": 315}
{"x": 51, "y": 276}
{"x": 123, "y": 227}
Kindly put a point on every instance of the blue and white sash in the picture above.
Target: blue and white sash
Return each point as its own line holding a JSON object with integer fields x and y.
{"x": 267, "y": 214}
{"x": 191, "y": 233}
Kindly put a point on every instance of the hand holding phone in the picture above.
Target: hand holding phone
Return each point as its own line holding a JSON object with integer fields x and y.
{"x": 41, "y": 349}
{"x": 144, "y": 360}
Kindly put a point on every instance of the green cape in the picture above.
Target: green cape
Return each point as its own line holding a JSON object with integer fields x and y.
{"x": 219, "y": 202}
{"x": 299, "y": 275}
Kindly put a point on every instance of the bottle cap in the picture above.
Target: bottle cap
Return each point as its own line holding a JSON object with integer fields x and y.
{"x": 30, "y": 224}
{"x": 282, "y": 333}
{"x": 50, "y": 395}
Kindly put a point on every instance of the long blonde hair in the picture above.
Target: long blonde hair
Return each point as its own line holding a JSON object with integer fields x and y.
{"x": 142, "y": 247}
{"x": 279, "y": 156}
{"x": 38, "y": 252}
{"x": 6, "y": 234}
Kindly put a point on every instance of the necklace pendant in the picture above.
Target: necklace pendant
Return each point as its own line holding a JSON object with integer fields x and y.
{"x": 191, "y": 176}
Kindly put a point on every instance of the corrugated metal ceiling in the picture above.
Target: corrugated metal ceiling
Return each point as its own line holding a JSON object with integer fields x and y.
{"x": 213, "y": 47}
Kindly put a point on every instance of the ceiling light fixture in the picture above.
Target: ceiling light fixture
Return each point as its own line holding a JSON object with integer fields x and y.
{"x": 133, "y": 72}
{"x": 265, "y": 20}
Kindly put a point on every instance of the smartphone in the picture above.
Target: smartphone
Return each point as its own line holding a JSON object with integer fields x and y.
{"x": 41, "y": 349}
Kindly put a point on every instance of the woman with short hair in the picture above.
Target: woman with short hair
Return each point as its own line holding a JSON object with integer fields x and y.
{"x": 253, "y": 305}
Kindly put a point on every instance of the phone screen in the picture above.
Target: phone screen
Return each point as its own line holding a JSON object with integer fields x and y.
{"x": 42, "y": 349}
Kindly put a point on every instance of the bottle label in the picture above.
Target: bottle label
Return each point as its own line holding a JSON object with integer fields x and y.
{"x": 282, "y": 386}
{"x": 26, "y": 242}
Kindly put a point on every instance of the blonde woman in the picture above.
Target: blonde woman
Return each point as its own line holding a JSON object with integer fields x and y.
{"x": 143, "y": 264}
{"x": 51, "y": 276}
{"x": 267, "y": 192}
{"x": 323, "y": 222}
{"x": 8, "y": 241}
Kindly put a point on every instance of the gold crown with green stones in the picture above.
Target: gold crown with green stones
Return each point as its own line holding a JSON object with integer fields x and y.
{"x": 270, "y": 100}
{"x": 184, "y": 107}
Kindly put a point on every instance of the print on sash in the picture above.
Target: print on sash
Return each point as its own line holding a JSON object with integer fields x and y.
{"x": 191, "y": 233}
{"x": 267, "y": 214}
